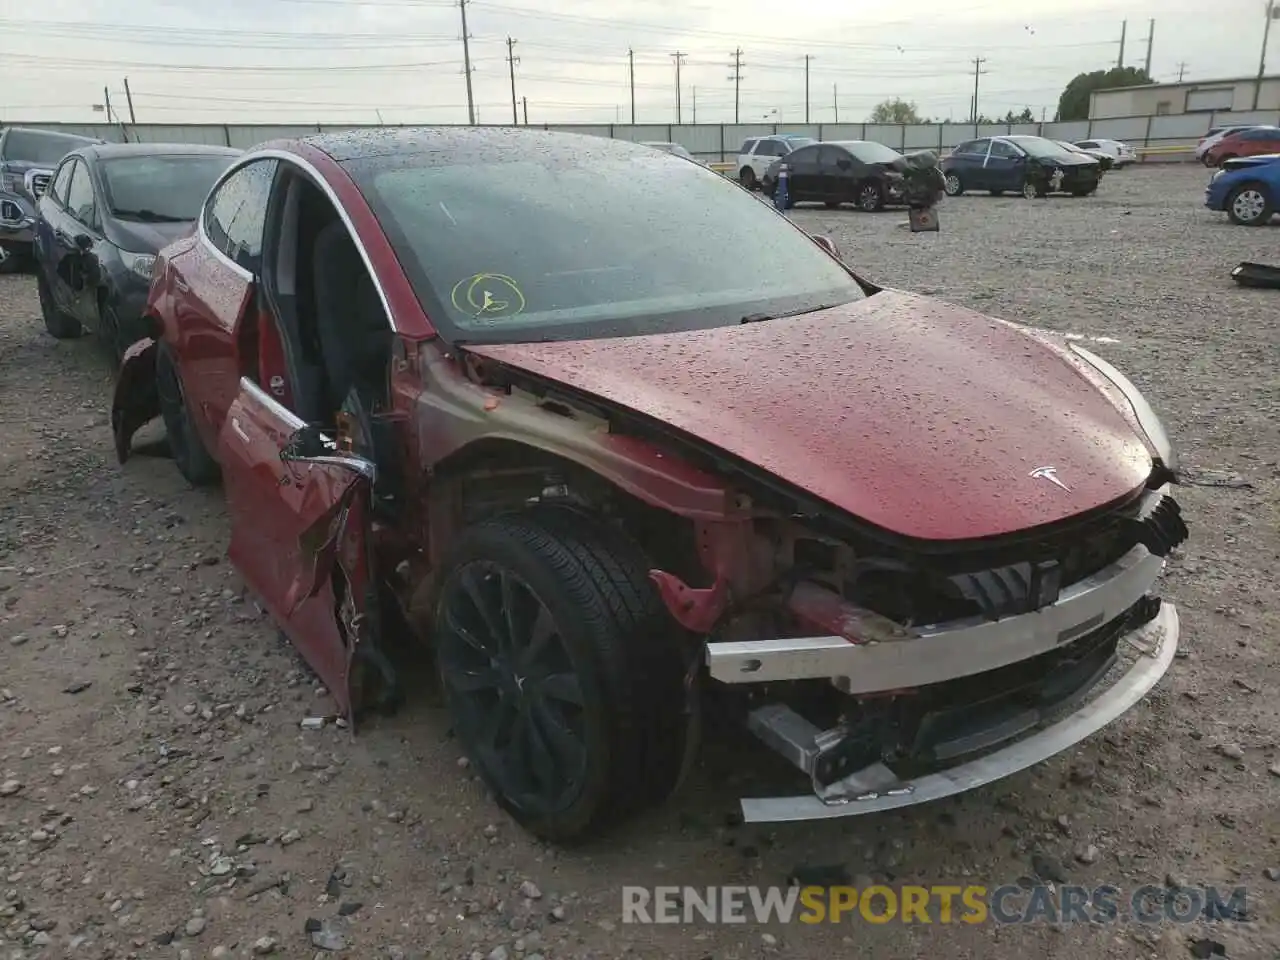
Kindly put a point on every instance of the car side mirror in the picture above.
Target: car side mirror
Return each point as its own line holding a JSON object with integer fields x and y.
{"x": 827, "y": 244}
{"x": 307, "y": 442}
{"x": 84, "y": 242}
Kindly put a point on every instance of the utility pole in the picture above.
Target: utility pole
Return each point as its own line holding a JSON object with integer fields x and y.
{"x": 524, "y": 105}
{"x": 679, "y": 59}
{"x": 512, "y": 60}
{"x": 106, "y": 99}
{"x": 736, "y": 77}
{"x": 128, "y": 96}
{"x": 1124, "y": 28}
{"x": 631, "y": 70}
{"x": 977, "y": 72}
{"x": 835, "y": 101}
{"x": 466, "y": 63}
{"x": 807, "y": 58}
{"x": 695, "y": 106}
{"x": 1273, "y": 13}
{"x": 1182, "y": 70}
{"x": 1151, "y": 35}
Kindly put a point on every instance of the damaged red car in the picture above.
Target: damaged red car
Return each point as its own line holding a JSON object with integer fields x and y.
{"x": 624, "y": 448}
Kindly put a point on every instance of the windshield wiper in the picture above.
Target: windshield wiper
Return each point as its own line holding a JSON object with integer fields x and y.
{"x": 758, "y": 317}
{"x": 149, "y": 216}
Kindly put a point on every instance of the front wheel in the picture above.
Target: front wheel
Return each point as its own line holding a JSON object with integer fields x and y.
{"x": 952, "y": 185}
{"x": 747, "y": 177}
{"x": 59, "y": 325}
{"x": 562, "y": 671}
{"x": 1249, "y": 205}
{"x": 870, "y": 197}
{"x": 1032, "y": 190}
{"x": 189, "y": 452}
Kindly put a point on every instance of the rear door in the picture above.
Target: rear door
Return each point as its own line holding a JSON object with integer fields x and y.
{"x": 765, "y": 153}
{"x": 804, "y": 174}
{"x": 52, "y": 221}
{"x": 75, "y": 233}
{"x": 971, "y": 161}
{"x": 214, "y": 286}
{"x": 300, "y": 532}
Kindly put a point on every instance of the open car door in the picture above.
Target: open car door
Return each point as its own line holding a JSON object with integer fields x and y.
{"x": 300, "y": 536}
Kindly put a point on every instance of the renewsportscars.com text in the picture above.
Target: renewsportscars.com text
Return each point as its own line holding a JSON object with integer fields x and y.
{"x": 939, "y": 903}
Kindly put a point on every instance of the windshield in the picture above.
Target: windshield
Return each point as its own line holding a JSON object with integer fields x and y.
{"x": 160, "y": 188}
{"x": 1040, "y": 147}
{"x": 46, "y": 149}
{"x": 577, "y": 243}
{"x": 868, "y": 151}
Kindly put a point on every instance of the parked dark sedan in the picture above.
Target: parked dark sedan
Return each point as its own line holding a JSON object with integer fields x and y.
{"x": 841, "y": 171}
{"x": 1032, "y": 166}
{"x": 107, "y": 213}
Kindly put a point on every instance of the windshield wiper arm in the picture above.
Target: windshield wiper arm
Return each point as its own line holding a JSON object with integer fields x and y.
{"x": 758, "y": 317}
{"x": 149, "y": 216}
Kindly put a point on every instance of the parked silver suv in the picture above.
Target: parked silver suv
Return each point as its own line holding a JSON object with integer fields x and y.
{"x": 27, "y": 159}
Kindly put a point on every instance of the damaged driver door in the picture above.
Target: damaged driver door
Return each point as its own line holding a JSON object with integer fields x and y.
{"x": 300, "y": 534}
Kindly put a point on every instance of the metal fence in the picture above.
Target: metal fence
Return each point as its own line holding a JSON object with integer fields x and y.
{"x": 721, "y": 141}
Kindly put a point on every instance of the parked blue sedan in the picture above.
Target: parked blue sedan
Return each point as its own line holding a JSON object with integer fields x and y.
{"x": 1247, "y": 188}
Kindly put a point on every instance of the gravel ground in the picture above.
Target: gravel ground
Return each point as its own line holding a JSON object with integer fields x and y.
{"x": 157, "y": 797}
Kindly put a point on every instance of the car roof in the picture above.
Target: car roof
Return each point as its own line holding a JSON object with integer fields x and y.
{"x": 109, "y": 151}
{"x": 855, "y": 143}
{"x": 447, "y": 145}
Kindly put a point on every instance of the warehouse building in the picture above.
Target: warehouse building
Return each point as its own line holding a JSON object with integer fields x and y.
{"x": 1193, "y": 96}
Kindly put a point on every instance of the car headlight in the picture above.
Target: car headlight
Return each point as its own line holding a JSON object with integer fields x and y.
{"x": 1146, "y": 416}
{"x": 139, "y": 263}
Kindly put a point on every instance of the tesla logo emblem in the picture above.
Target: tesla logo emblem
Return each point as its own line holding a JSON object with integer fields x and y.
{"x": 1050, "y": 474}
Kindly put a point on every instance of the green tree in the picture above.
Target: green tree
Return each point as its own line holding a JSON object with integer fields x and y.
{"x": 1024, "y": 117}
{"x": 895, "y": 110}
{"x": 1074, "y": 102}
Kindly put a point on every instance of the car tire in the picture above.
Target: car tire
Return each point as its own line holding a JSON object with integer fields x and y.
{"x": 1249, "y": 205}
{"x": 871, "y": 197}
{"x": 952, "y": 185}
{"x": 1084, "y": 191}
{"x": 607, "y": 638}
{"x": 1033, "y": 191}
{"x": 189, "y": 453}
{"x": 747, "y": 177}
{"x": 59, "y": 325}
{"x": 112, "y": 330}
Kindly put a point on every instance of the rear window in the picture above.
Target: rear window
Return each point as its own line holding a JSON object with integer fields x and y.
{"x": 35, "y": 146}
{"x": 868, "y": 151}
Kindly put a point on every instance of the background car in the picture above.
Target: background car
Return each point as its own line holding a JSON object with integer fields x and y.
{"x": 1032, "y": 166}
{"x": 1244, "y": 143}
{"x": 842, "y": 171}
{"x": 370, "y": 330}
{"x": 27, "y": 159}
{"x": 1120, "y": 152}
{"x": 1247, "y": 188}
{"x": 108, "y": 211}
{"x": 1215, "y": 134}
{"x": 675, "y": 149}
{"x": 758, "y": 153}
{"x": 1105, "y": 160}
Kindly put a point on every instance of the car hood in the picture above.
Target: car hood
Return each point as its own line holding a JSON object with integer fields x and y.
{"x": 144, "y": 237}
{"x": 1257, "y": 160}
{"x": 920, "y": 417}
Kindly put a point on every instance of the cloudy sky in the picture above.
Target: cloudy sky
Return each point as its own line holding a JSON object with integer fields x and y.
{"x": 402, "y": 60}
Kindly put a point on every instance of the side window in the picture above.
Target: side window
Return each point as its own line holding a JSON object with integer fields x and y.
{"x": 770, "y": 148}
{"x": 1088, "y": 144}
{"x": 746, "y": 146}
{"x": 234, "y": 217}
{"x": 61, "y": 181}
{"x": 1001, "y": 149}
{"x": 80, "y": 195}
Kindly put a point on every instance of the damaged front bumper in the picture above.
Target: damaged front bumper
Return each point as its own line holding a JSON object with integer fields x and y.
{"x": 994, "y": 696}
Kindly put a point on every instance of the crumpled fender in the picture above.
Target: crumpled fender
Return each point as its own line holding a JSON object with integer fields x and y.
{"x": 136, "y": 400}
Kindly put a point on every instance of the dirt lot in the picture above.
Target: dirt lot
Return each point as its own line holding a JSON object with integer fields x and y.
{"x": 163, "y": 801}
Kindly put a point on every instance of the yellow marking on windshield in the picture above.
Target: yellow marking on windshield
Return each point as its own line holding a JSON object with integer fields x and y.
{"x": 488, "y": 295}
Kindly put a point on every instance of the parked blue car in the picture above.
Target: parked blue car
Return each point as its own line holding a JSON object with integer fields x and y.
{"x": 1247, "y": 188}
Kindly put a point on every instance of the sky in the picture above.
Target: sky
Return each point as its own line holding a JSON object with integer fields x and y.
{"x": 401, "y": 61}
